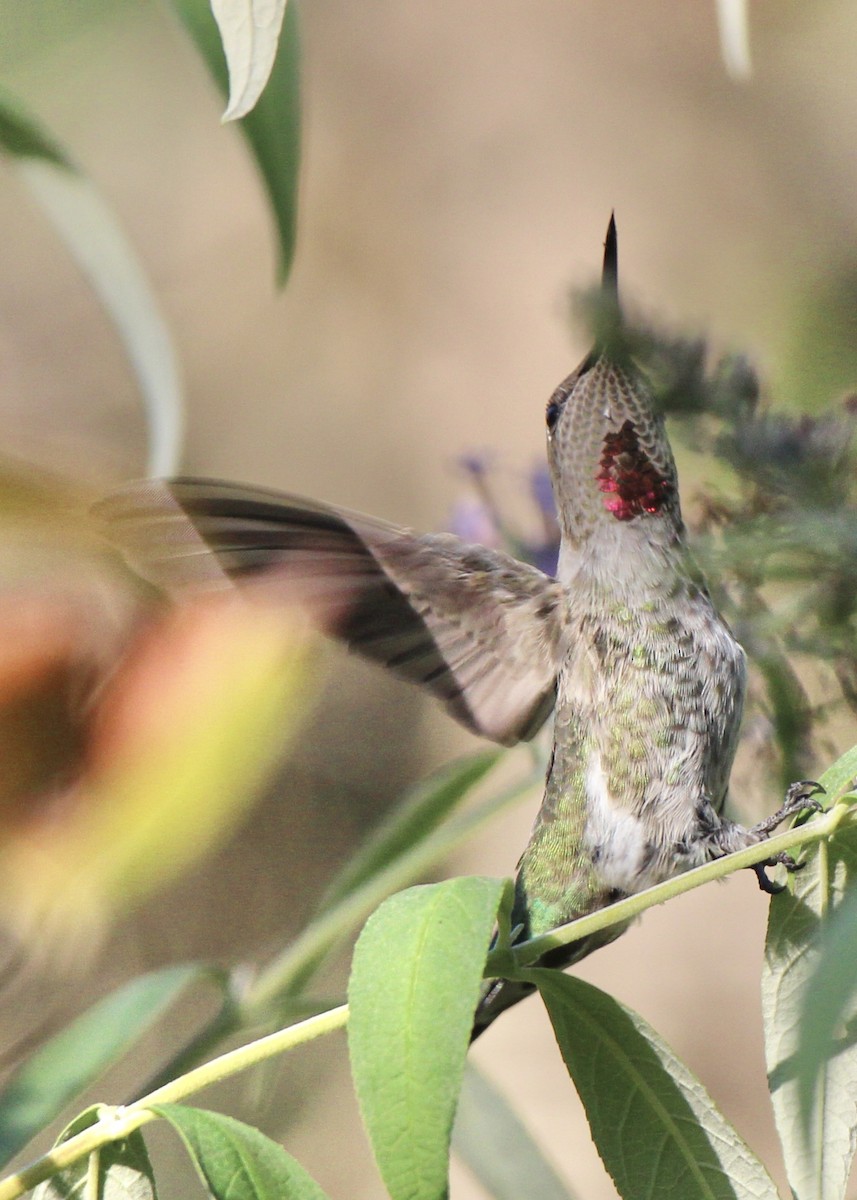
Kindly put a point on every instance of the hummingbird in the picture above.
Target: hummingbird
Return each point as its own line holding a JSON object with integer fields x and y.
{"x": 644, "y": 677}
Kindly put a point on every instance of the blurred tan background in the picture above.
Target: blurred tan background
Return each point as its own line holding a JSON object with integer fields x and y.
{"x": 460, "y": 164}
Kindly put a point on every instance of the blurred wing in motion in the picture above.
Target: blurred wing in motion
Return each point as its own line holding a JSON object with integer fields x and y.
{"x": 477, "y": 628}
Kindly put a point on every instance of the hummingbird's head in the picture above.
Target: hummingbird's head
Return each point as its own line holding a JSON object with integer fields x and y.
{"x": 611, "y": 464}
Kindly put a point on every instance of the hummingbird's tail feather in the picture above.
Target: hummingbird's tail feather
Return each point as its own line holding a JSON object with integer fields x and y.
{"x": 477, "y": 628}
{"x": 498, "y": 995}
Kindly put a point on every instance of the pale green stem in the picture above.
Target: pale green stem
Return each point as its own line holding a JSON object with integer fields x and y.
{"x": 93, "y": 1176}
{"x": 120, "y": 1122}
{"x": 526, "y": 953}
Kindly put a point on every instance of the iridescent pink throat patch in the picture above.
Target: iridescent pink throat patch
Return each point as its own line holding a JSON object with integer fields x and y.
{"x": 631, "y": 483}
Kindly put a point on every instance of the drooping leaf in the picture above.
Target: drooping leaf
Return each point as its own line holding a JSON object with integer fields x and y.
{"x": 402, "y": 832}
{"x": 120, "y": 1170}
{"x": 422, "y": 810}
{"x": 283, "y": 978}
{"x": 249, "y": 31}
{"x": 272, "y": 127}
{"x": 236, "y": 1161}
{"x": 734, "y": 23}
{"x": 655, "y": 1126}
{"x": 415, "y": 982}
{"x": 498, "y": 1148}
{"x": 813, "y": 1080}
{"x": 23, "y": 137}
{"x": 97, "y": 243}
{"x": 837, "y": 780}
{"x": 36, "y": 1093}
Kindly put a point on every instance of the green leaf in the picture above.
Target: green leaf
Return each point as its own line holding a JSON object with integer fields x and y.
{"x": 424, "y": 807}
{"x": 500, "y": 1151}
{"x": 837, "y": 780}
{"x": 791, "y": 711}
{"x": 814, "y": 1096}
{"x": 415, "y": 982}
{"x": 22, "y": 137}
{"x": 236, "y": 1161}
{"x": 39, "y": 1089}
{"x": 273, "y": 126}
{"x": 97, "y": 243}
{"x": 250, "y": 31}
{"x": 829, "y": 1003}
{"x": 655, "y": 1126}
{"x": 119, "y": 1170}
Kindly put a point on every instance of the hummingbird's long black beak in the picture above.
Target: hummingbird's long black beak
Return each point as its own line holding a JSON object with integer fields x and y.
{"x": 610, "y": 271}
{"x": 609, "y": 330}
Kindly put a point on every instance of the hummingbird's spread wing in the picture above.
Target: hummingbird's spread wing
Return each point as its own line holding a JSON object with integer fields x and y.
{"x": 477, "y": 628}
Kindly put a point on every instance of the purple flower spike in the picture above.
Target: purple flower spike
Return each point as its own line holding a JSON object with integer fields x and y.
{"x": 480, "y": 519}
{"x": 544, "y": 555}
{"x": 476, "y": 463}
{"x": 542, "y": 492}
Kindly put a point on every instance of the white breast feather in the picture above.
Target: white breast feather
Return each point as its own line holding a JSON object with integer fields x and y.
{"x": 619, "y": 834}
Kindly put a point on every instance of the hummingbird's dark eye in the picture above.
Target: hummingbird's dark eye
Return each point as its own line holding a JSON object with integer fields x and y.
{"x": 552, "y": 414}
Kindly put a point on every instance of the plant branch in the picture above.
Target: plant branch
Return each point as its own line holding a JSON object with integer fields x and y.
{"x": 507, "y": 963}
{"x": 120, "y": 1122}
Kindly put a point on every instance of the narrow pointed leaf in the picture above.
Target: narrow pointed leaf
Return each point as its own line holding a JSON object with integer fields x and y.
{"x": 250, "y": 31}
{"x": 272, "y": 128}
{"x": 288, "y": 973}
{"x": 236, "y": 1161}
{"x": 813, "y": 1091}
{"x": 23, "y": 137}
{"x": 733, "y": 19}
{"x": 414, "y": 986}
{"x": 425, "y": 806}
{"x": 36, "y": 1093}
{"x": 491, "y": 1139}
{"x": 119, "y": 1170}
{"x": 655, "y": 1126}
{"x": 97, "y": 243}
{"x": 837, "y": 780}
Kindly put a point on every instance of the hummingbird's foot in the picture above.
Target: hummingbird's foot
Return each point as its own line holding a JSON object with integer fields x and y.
{"x": 783, "y": 860}
{"x": 800, "y": 797}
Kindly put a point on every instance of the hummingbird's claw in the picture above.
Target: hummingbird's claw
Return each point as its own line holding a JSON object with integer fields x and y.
{"x": 799, "y": 798}
{"x": 802, "y": 795}
{"x": 783, "y": 860}
{"x": 767, "y": 885}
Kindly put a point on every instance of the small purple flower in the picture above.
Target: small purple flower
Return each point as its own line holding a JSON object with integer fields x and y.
{"x": 472, "y": 521}
{"x": 480, "y": 519}
{"x": 476, "y": 463}
{"x": 544, "y": 555}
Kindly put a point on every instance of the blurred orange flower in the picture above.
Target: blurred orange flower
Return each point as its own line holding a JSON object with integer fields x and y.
{"x": 132, "y": 736}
